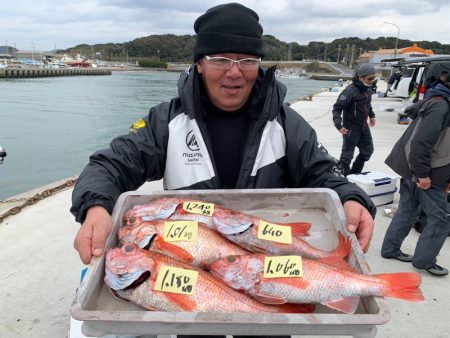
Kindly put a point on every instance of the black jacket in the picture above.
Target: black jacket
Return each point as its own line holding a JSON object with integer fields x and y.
{"x": 424, "y": 148}
{"x": 355, "y": 103}
{"x": 171, "y": 142}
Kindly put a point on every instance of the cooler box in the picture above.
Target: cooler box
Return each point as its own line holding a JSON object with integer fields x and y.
{"x": 379, "y": 186}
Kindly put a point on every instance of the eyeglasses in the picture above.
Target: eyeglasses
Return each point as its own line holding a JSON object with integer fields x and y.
{"x": 223, "y": 63}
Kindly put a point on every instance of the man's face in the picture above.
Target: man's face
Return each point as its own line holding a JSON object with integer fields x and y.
{"x": 228, "y": 89}
{"x": 368, "y": 79}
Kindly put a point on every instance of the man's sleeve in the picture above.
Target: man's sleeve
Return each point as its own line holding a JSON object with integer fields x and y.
{"x": 426, "y": 137}
{"x": 129, "y": 161}
{"x": 341, "y": 104}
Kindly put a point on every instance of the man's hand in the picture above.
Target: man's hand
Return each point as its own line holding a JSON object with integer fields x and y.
{"x": 91, "y": 238}
{"x": 424, "y": 183}
{"x": 372, "y": 122}
{"x": 343, "y": 131}
{"x": 360, "y": 222}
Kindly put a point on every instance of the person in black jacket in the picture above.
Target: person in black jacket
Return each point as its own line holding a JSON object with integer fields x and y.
{"x": 422, "y": 158}
{"x": 228, "y": 128}
{"x": 351, "y": 113}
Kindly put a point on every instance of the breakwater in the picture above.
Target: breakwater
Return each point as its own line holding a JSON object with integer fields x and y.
{"x": 50, "y": 72}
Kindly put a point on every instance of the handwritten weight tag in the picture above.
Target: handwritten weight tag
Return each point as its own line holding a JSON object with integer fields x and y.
{"x": 274, "y": 232}
{"x": 283, "y": 266}
{"x": 176, "y": 280}
{"x": 200, "y": 208}
{"x": 176, "y": 231}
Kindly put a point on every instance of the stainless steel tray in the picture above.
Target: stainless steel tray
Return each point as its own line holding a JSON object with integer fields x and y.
{"x": 103, "y": 314}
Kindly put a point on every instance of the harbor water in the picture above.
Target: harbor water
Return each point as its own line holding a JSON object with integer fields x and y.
{"x": 50, "y": 126}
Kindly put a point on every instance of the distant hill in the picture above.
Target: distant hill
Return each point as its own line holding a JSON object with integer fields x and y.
{"x": 178, "y": 48}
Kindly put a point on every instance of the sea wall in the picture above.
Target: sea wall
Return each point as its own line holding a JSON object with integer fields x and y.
{"x": 50, "y": 72}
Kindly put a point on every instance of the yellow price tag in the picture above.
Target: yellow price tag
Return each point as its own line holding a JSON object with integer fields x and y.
{"x": 274, "y": 232}
{"x": 176, "y": 280}
{"x": 176, "y": 231}
{"x": 200, "y": 208}
{"x": 283, "y": 266}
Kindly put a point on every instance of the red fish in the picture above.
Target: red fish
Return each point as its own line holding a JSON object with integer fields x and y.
{"x": 225, "y": 221}
{"x": 336, "y": 288}
{"x": 209, "y": 246}
{"x": 173, "y": 208}
{"x": 132, "y": 273}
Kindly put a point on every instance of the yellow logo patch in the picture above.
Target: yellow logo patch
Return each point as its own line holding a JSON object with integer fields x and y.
{"x": 137, "y": 125}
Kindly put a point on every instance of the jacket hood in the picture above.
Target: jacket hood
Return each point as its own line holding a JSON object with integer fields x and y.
{"x": 358, "y": 84}
{"x": 439, "y": 90}
{"x": 268, "y": 92}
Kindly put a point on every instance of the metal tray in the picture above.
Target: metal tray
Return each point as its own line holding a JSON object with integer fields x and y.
{"x": 103, "y": 314}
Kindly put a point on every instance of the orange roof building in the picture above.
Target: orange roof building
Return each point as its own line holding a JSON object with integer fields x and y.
{"x": 375, "y": 57}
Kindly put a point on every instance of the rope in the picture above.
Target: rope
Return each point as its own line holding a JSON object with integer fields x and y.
{"x": 34, "y": 199}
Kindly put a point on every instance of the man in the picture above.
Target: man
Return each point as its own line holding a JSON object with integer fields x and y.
{"x": 441, "y": 79}
{"x": 230, "y": 116}
{"x": 394, "y": 78}
{"x": 354, "y": 103}
{"x": 422, "y": 158}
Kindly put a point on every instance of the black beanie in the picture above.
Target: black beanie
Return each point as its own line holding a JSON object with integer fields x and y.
{"x": 228, "y": 28}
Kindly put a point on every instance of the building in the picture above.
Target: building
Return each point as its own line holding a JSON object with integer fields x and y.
{"x": 375, "y": 57}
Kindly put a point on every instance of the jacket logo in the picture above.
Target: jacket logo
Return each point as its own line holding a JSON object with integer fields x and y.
{"x": 342, "y": 97}
{"x": 191, "y": 141}
{"x": 137, "y": 125}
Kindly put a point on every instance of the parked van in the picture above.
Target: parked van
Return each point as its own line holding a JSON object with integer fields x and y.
{"x": 418, "y": 74}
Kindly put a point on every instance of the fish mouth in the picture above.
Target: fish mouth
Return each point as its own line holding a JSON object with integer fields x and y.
{"x": 147, "y": 242}
{"x": 226, "y": 229}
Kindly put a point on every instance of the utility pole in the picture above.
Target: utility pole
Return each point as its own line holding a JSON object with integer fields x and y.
{"x": 352, "y": 57}
{"x": 290, "y": 51}
{"x": 325, "y": 55}
{"x": 339, "y": 52}
{"x": 346, "y": 54}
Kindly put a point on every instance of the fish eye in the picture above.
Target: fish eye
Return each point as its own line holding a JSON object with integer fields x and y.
{"x": 128, "y": 248}
{"x": 132, "y": 219}
{"x": 231, "y": 259}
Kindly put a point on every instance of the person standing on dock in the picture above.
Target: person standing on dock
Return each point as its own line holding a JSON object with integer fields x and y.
{"x": 422, "y": 158}
{"x": 352, "y": 116}
{"x": 229, "y": 128}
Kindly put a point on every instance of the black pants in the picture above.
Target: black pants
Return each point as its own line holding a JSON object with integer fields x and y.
{"x": 362, "y": 139}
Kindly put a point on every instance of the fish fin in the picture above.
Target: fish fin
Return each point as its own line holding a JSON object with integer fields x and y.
{"x": 267, "y": 299}
{"x": 175, "y": 251}
{"x": 297, "y": 308}
{"x": 403, "y": 285}
{"x": 346, "y": 305}
{"x": 185, "y": 302}
{"x": 255, "y": 248}
{"x": 344, "y": 246}
{"x": 337, "y": 262}
{"x": 298, "y": 228}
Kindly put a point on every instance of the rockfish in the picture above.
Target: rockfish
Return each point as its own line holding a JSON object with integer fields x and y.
{"x": 321, "y": 283}
{"x": 226, "y": 221}
{"x": 209, "y": 246}
{"x": 132, "y": 273}
{"x": 172, "y": 208}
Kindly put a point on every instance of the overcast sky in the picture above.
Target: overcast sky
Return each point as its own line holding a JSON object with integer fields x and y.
{"x": 47, "y": 24}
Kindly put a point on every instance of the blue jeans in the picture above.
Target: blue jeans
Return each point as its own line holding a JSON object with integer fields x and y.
{"x": 434, "y": 204}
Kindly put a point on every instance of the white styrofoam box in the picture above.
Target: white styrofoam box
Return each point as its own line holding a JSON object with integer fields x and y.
{"x": 380, "y": 187}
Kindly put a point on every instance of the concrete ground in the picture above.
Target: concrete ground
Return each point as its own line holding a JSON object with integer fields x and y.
{"x": 41, "y": 270}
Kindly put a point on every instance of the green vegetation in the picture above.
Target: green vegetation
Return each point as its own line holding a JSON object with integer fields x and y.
{"x": 178, "y": 48}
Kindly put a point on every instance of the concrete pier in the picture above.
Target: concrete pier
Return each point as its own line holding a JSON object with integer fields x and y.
{"x": 50, "y": 72}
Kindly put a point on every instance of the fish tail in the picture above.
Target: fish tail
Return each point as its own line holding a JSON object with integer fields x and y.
{"x": 298, "y": 228}
{"x": 344, "y": 246}
{"x": 403, "y": 285}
